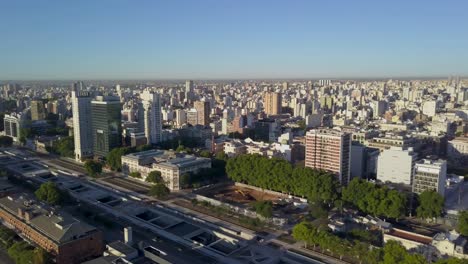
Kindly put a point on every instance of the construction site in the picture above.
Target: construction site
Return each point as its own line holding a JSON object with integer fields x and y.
{"x": 239, "y": 195}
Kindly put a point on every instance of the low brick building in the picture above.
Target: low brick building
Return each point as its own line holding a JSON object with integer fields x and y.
{"x": 63, "y": 236}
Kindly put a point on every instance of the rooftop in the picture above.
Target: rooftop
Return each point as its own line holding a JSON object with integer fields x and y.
{"x": 60, "y": 228}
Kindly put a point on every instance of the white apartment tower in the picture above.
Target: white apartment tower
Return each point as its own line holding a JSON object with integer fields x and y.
{"x": 396, "y": 165}
{"x": 151, "y": 104}
{"x": 81, "y": 108}
{"x": 12, "y": 125}
{"x": 430, "y": 175}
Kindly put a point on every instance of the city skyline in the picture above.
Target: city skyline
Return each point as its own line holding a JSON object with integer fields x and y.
{"x": 243, "y": 40}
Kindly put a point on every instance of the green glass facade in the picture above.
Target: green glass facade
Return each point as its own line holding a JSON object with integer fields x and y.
{"x": 106, "y": 125}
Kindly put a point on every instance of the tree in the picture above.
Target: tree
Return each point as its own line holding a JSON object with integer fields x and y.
{"x": 114, "y": 158}
{"x": 135, "y": 174}
{"x": 93, "y": 168}
{"x": 431, "y": 204}
{"x": 375, "y": 200}
{"x": 41, "y": 256}
{"x": 302, "y": 124}
{"x": 185, "y": 180}
{"x": 6, "y": 141}
{"x": 451, "y": 261}
{"x": 302, "y": 232}
{"x": 394, "y": 252}
{"x": 279, "y": 175}
{"x": 463, "y": 223}
{"x": 264, "y": 208}
{"x": 7, "y": 237}
{"x": 49, "y": 193}
{"x": 65, "y": 147}
{"x": 414, "y": 259}
{"x": 159, "y": 190}
{"x": 374, "y": 256}
{"x": 21, "y": 252}
{"x": 205, "y": 154}
{"x": 154, "y": 177}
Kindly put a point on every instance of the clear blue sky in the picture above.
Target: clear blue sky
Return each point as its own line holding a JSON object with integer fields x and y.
{"x": 165, "y": 39}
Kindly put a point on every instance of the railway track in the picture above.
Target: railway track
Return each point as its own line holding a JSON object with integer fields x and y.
{"x": 132, "y": 186}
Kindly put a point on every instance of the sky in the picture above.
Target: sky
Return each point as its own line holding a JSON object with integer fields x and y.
{"x": 232, "y": 39}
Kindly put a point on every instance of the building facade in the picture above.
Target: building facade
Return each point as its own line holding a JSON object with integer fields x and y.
{"x": 37, "y": 110}
{"x": 151, "y": 106}
{"x": 330, "y": 150}
{"x": 430, "y": 175}
{"x": 396, "y": 165}
{"x": 67, "y": 239}
{"x": 81, "y": 109}
{"x": 171, "y": 165}
{"x": 12, "y": 125}
{"x": 203, "y": 112}
{"x": 272, "y": 103}
{"x": 106, "y": 124}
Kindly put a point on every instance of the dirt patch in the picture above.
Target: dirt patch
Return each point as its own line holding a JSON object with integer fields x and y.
{"x": 238, "y": 195}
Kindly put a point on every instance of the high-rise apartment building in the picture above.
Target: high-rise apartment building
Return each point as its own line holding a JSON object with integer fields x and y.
{"x": 430, "y": 175}
{"x": 12, "y": 125}
{"x": 188, "y": 90}
{"x": 151, "y": 106}
{"x": 37, "y": 110}
{"x": 203, "y": 112}
{"x": 180, "y": 117}
{"x": 192, "y": 117}
{"x": 396, "y": 165}
{"x": 81, "y": 109}
{"x": 272, "y": 103}
{"x": 329, "y": 150}
{"x": 106, "y": 124}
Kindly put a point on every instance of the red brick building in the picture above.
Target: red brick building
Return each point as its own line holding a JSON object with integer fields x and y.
{"x": 63, "y": 236}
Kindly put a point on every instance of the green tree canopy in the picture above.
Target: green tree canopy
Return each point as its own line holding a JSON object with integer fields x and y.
{"x": 135, "y": 174}
{"x": 154, "y": 177}
{"x": 463, "y": 223}
{"x": 375, "y": 200}
{"x": 65, "y": 147}
{"x": 159, "y": 190}
{"x": 394, "y": 252}
{"x": 205, "y": 154}
{"x": 279, "y": 175}
{"x": 49, "y": 193}
{"x": 93, "y": 168}
{"x": 264, "y": 208}
{"x": 114, "y": 157}
{"x": 431, "y": 204}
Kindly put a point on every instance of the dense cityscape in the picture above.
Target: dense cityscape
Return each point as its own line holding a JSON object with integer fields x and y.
{"x": 273, "y": 171}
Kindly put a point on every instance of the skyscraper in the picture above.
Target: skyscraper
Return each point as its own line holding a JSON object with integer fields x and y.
{"x": 188, "y": 90}
{"x": 151, "y": 106}
{"x": 81, "y": 108}
{"x": 106, "y": 124}
{"x": 328, "y": 149}
{"x": 272, "y": 103}
{"x": 37, "y": 110}
{"x": 203, "y": 112}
